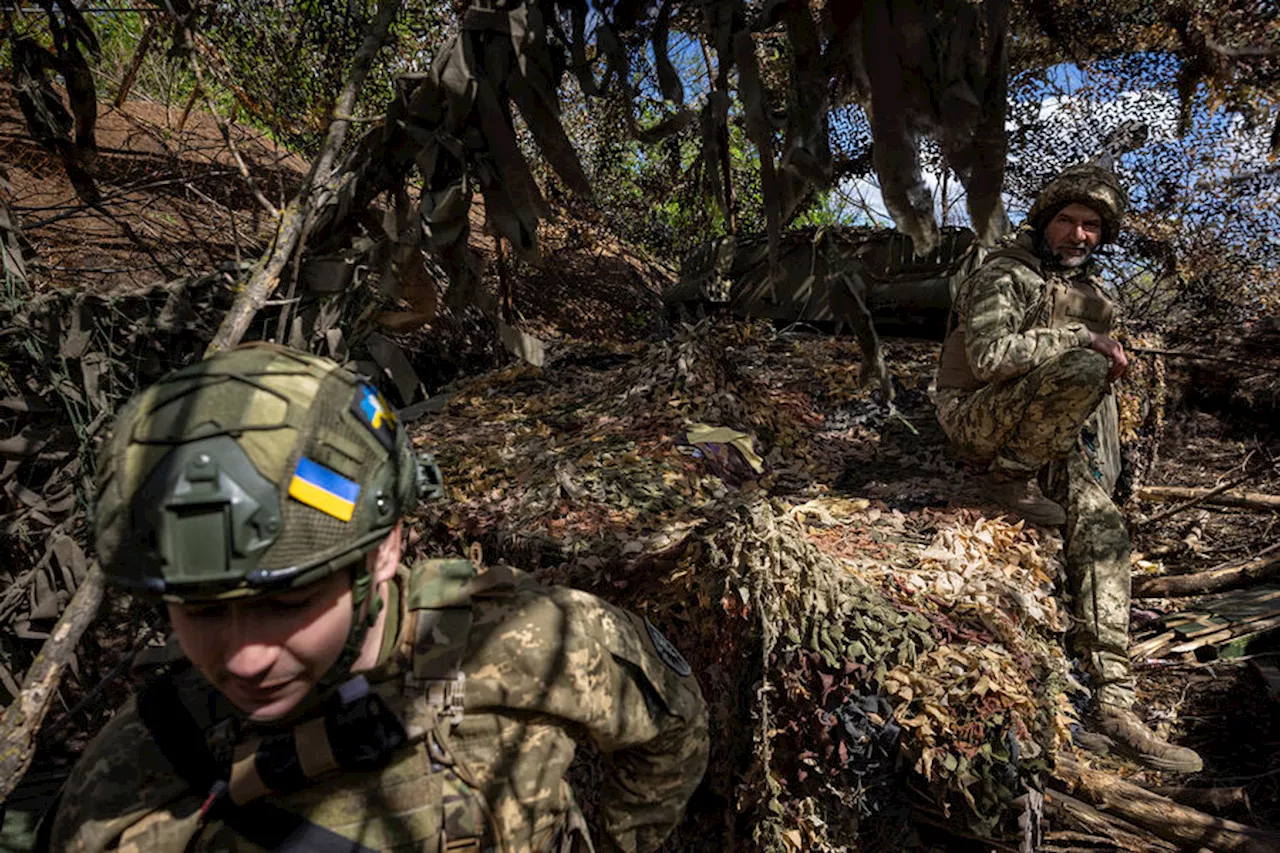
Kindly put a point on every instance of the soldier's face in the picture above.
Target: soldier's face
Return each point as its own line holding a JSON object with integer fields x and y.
{"x": 1073, "y": 234}
{"x": 266, "y": 654}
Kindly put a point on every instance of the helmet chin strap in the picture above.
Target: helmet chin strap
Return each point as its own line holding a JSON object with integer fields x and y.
{"x": 362, "y": 591}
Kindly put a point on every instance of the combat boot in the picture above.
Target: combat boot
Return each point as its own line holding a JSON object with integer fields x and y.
{"x": 1024, "y": 498}
{"x": 1118, "y": 730}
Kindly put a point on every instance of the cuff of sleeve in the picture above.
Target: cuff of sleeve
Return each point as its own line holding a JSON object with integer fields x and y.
{"x": 1083, "y": 336}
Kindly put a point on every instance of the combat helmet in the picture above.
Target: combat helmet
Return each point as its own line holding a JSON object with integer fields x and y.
{"x": 258, "y": 469}
{"x": 1089, "y": 184}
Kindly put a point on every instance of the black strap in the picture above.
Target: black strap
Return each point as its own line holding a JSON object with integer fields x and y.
{"x": 183, "y": 745}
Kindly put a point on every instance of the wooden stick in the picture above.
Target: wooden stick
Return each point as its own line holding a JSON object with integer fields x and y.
{"x": 1161, "y": 816}
{"x": 225, "y": 130}
{"x": 187, "y": 107}
{"x": 139, "y": 54}
{"x": 21, "y": 721}
{"x": 320, "y": 182}
{"x": 1214, "y": 497}
{"x": 1198, "y": 356}
{"x": 1228, "y": 576}
{"x": 1251, "y": 472}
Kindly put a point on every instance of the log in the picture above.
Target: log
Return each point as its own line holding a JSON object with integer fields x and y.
{"x": 1182, "y": 825}
{"x": 1097, "y": 826}
{"x": 1242, "y": 500}
{"x": 21, "y": 720}
{"x": 1229, "y": 576}
{"x": 1205, "y": 495}
{"x": 1206, "y": 799}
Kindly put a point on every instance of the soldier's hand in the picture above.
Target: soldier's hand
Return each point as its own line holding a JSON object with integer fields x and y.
{"x": 1110, "y": 347}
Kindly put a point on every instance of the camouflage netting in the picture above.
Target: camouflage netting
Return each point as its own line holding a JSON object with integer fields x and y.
{"x": 872, "y": 647}
{"x": 895, "y": 652}
{"x": 67, "y": 362}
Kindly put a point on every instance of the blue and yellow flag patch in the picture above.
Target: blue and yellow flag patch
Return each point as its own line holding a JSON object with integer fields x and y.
{"x": 324, "y": 489}
{"x": 372, "y": 410}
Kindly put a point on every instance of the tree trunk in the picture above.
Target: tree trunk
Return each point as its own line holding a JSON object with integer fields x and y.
{"x": 21, "y": 721}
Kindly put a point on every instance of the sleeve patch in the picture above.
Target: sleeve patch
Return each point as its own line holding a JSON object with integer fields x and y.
{"x": 669, "y": 654}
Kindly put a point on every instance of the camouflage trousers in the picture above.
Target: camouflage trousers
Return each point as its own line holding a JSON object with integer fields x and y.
{"x": 1021, "y": 425}
{"x": 1058, "y": 421}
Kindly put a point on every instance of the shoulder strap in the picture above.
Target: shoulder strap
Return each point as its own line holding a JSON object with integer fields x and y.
{"x": 359, "y": 735}
{"x": 440, "y": 603}
{"x": 1015, "y": 252}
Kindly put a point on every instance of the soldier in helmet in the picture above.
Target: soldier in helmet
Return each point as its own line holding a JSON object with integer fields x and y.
{"x": 329, "y": 697}
{"x": 1023, "y": 387}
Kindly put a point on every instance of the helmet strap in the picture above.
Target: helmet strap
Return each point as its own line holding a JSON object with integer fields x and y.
{"x": 362, "y": 591}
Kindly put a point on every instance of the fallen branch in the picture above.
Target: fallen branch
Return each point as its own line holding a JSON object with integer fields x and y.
{"x": 225, "y": 130}
{"x": 139, "y": 54}
{"x": 1161, "y": 816}
{"x": 1222, "y": 577}
{"x": 1199, "y": 356}
{"x": 21, "y": 721}
{"x": 1214, "y": 497}
{"x": 1249, "y": 474}
{"x": 320, "y": 182}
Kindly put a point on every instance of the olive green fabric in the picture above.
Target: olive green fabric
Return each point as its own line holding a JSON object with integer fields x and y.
{"x": 239, "y": 425}
{"x": 542, "y": 666}
{"x": 1089, "y": 184}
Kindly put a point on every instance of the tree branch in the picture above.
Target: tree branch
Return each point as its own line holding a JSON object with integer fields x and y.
{"x": 1264, "y": 566}
{"x": 226, "y": 137}
{"x": 1212, "y": 497}
{"x": 21, "y": 721}
{"x": 1199, "y": 496}
{"x": 1199, "y": 356}
{"x": 319, "y": 186}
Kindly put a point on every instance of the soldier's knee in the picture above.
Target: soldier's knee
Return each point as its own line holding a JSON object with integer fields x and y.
{"x": 1083, "y": 367}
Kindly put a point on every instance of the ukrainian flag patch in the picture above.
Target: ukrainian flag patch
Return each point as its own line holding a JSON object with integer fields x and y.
{"x": 372, "y": 410}
{"x": 324, "y": 489}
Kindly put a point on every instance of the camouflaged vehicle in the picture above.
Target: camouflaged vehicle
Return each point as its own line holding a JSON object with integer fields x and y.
{"x": 905, "y": 294}
{"x": 870, "y": 280}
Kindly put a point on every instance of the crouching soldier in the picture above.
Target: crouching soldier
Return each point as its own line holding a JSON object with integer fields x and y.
{"x": 1024, "y": 387}
{"x": 331, "y": 698}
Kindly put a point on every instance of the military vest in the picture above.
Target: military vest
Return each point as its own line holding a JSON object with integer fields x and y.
{"x": 371, "y": 769}
{"x": 1061, "y": 303}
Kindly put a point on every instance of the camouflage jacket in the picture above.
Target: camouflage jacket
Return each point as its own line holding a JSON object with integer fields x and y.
{"x": 1001, "y": 320}
{"x": 538, "y": 666}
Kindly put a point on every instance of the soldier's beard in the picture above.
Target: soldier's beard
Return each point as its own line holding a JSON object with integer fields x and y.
{"x": 1068, "y": 256}
{"x": 1072, "y": 257}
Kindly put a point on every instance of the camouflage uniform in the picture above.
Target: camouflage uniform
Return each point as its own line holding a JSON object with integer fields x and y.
{"x": 538, "y": 664}
{"x": 262, "y": 470}
{"x": 1019, "y": 389}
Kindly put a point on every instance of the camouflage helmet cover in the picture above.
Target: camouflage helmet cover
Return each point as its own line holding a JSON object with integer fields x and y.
{"x": 257, "y": 469}
{"x": 1089, "y": 184}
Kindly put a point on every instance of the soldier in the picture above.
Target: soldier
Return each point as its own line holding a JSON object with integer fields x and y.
{"x": 332, "y": 699}
{"x": 1023, "y": 387}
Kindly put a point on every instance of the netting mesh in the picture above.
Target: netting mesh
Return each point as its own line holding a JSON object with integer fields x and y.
{"x": 287, "y": 60}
